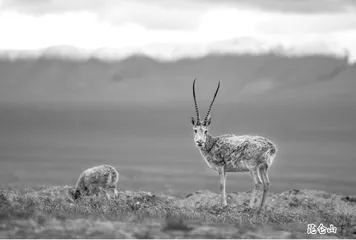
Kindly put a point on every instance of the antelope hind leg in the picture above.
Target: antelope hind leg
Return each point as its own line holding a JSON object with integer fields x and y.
{"x": 256, "y": 188}
{"x": 266, "y": 184}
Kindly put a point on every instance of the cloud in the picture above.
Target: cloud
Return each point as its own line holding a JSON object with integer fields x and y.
{"x": 153, "y": 16}
{"x": 81, "y": 29}
{"x": 158, "y": 15}
{"x": 305, "y": 6}
{"x": 319, "y": 30}
{"x": 40, "y": 7}
{"x": 178, "y": 25}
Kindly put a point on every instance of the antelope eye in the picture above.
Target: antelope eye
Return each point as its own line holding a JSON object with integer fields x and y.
{"x": 206, "y": 132}
{"x": 195, "y": 131}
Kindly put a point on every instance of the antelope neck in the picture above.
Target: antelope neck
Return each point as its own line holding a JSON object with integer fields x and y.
{"x": 209, "y": 143}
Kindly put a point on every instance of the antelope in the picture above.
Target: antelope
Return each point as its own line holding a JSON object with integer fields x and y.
{"x": 95, "y": 180}
{"x": 231, "y": 153}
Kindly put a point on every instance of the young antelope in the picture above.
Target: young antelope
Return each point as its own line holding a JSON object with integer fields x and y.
{"x": 102, "y": 178}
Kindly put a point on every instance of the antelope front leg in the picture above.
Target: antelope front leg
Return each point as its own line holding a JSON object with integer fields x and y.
{"x": 222, "y": 175}
{"x": 116, "y": 193}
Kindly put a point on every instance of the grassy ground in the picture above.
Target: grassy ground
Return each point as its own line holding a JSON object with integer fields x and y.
{"x": 47, "y": 212}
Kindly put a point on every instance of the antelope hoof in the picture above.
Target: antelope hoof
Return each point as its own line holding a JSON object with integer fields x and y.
{"x": 261, "y": 208}
{"x": 248, "y": 209}
{"x": 251, "y": 210}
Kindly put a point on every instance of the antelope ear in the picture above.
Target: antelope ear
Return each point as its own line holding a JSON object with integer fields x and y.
{"x": 208, "y": 121}
{"x": 193, "y": 122}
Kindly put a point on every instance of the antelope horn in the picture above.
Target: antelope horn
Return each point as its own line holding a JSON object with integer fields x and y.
{"x": 195, "y": 102}
{"x": 212, "y": 102}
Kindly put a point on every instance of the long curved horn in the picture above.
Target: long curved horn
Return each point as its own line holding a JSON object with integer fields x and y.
{"x": 195, "y": 102}
{"x": 212, "y": 102}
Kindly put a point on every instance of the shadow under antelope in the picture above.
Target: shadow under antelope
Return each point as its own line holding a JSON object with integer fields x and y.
{"x": 231, "y": 153}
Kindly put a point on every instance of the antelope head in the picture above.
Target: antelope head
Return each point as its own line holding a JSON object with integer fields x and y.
{"x": 74, "y": 194}
{"x": 201, "y": 127}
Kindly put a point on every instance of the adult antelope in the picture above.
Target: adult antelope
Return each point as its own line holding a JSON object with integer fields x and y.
{"x": 231, "y": 153}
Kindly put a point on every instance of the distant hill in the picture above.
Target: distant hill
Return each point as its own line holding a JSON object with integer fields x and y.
{"x": 246, "y": 78}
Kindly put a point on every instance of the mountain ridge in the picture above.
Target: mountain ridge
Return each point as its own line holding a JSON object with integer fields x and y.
{"x": 250, "y": 78}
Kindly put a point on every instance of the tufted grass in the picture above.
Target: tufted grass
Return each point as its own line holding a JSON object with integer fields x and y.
{"x": 48, "y": 212}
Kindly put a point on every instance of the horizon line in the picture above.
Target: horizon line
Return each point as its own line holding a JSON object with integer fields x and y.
{"x": 73, "y": 53}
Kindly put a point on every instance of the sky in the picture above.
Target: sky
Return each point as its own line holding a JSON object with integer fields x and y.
{"x": 168, "y": 27}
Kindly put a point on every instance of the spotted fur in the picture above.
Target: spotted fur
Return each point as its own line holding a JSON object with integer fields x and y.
{"x": 96, "y": 180}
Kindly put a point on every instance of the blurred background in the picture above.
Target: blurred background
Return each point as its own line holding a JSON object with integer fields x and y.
{"x": 111, "y": 83}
